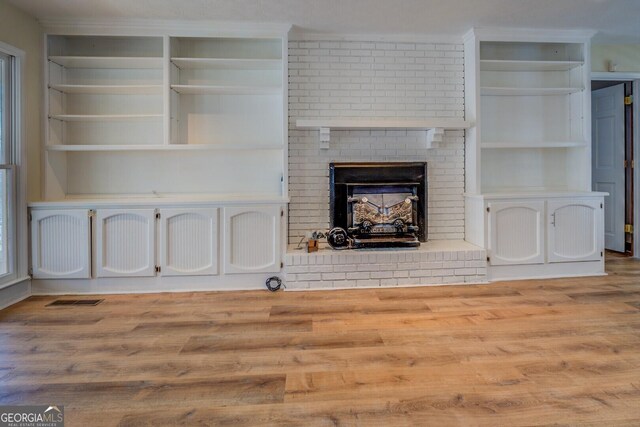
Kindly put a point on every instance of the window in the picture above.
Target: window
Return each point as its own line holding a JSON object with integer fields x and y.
{"x": 8, "y": 120}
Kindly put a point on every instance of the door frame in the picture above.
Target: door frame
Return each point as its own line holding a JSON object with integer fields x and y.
{"x": 635, "y": 79}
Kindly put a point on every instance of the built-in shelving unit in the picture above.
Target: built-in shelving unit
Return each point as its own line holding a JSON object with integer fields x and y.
{"x": 141, "y": 115}
{"x": 531, "y": 100}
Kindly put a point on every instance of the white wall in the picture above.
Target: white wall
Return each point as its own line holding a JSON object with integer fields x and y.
{"x": 363, "y": 79}
{"x": 24, "y": 32}
{"x": 627, "y": 56}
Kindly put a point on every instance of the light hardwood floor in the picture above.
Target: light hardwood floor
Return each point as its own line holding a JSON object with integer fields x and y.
{"x": 538, "y": 352}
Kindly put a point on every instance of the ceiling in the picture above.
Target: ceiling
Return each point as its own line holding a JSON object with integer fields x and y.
{"x": 617, "y": 21}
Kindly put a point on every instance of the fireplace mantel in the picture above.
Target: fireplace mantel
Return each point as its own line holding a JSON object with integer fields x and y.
{"x": 434, "y": 127}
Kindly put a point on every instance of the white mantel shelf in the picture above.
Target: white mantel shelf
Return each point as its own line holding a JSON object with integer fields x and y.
{"x": 434, "y": 127}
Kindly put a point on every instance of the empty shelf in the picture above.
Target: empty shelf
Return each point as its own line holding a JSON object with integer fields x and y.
{"x": 110, "y": 89}
{"x": 228, "y": 63}
{"x": 107, "y": 61}
{"x": 226, "y": 90}
{"x": 514, "y": 65}
{"x": 104, "y": 117}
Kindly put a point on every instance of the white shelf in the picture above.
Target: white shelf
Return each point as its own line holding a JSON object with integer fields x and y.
{"x": 383, "y": 123}
{"x": 515, "y": 65}
{"x": 161, "y": 199}
{"x": 109, "y": 89}
{"x": 227, "y": 63}
{"x": 170, "y": 147}
{"x": 529, "y": 91}
{"x": 539, "y": 144}
{"x": 226, "y": 90}
{"x": 434, "y": 127}
{"x": 104, "y": 117}
{"x": 125, "y": 62}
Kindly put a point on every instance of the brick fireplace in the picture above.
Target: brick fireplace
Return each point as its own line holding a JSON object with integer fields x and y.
{"x": 337, "y": 78}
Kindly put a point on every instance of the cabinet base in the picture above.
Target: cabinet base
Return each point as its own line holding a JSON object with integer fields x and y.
{"x": 545, "y": 271}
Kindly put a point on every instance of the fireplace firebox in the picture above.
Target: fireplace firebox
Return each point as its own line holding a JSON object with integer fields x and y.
{"x": 378, "y": 205}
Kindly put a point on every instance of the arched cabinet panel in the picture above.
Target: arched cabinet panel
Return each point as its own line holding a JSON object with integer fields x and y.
{"x": 252, "y": 239}
{"x": 60, "y": 244}
{"x": 125, "y": 240}
{"x": 516, "y": 233}
{"x": 189, "y": 242}
{"x": 575, "y": 230}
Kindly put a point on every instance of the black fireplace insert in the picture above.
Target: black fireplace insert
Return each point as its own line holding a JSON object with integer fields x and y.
{"x": 378, "y": 204}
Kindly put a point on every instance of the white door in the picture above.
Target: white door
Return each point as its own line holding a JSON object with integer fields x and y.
{"x": 61, "y": 244}
{"x": 516, "y": 233}
{"x": 252, "y": 239}
{"x": 607, "y": 110}
{"x": 125, "y": 242}
{"x": 574, "y": 230}
{"x": 189, "y": 242}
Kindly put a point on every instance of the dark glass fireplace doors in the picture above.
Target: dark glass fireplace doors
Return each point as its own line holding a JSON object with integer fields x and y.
{"x": 379, "y": 183}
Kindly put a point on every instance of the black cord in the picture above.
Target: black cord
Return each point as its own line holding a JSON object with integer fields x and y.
{"x": 270, "y": 286}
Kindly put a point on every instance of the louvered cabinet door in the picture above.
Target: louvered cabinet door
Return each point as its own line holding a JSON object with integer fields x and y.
{"x": 125, "y": 242}
{"x": 516, "y": 233}
{"x": 575, "y": 230}
{"x": 252, "y": 239}
{"x": 189, "y": 242}
{"x": 61, "y": 244}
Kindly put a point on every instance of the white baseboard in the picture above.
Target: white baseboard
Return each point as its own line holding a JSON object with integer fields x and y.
{"x": 15, "y": 293}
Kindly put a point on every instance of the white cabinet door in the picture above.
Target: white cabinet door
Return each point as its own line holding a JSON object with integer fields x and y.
{"x": 189, "y": 242}
{"x": 516, "y": 233}
{"x": 252, "y": 239}
{"x": 575, "y": 230}
{"x": 125, "y": 242}
{"x": 61, "y": 244}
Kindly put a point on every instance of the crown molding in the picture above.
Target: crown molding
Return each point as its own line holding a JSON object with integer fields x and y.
{"x": 301, "y": 35}
{"x": 141, "y": 27}
{"x": 530, "y": 35}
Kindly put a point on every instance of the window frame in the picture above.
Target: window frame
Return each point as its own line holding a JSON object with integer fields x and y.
{"x": 14, "y": 164}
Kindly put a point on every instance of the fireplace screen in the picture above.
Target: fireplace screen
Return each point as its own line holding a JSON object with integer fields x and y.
{"x": 379, "y": 204}
{"x": 382, "y": 209}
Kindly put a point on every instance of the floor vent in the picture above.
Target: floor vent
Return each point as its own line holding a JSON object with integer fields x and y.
{"x": 75, "y": 302}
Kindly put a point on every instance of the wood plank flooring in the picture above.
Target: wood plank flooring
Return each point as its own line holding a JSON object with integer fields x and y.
{"x": 539, "y": 352}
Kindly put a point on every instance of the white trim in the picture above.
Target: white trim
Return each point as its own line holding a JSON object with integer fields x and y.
{"x": 14, "y": 282}
{"x": 634, "y": 77}
{"x": 636, "y": 170}
{"x": 605, "y": 75}
{"x": 27, "y": 292}
{"x": 301, "y": 35}
{"x": 155, "y": 27}
{"x": 530, "y": 35}
{"x": 21, "y": 256}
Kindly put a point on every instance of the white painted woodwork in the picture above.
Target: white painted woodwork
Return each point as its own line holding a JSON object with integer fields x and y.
{"x": 527, "y": 94}
{"x": 575, "y": 230}
{"x": 252, "y": 239}
{"x": 60, "y": 244}
{"x": 516, "y": 232}
{"x": 115, "y": 127}
{"x": 608, "y": 139}
{"x": 189, "y": 241}
{"x": 125, "y": 242}
{"x": 434, "y": 128}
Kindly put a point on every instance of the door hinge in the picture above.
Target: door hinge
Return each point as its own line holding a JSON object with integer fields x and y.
{"x": 281, "y": 212}
{"x": 628, "y": 100}
{"x": 282, "y": 265}
{"x": 30, "y": 272}
{"x": 488, "y": 208}
{"x": 91, "y": 213}
{"x": 626, "y": 164}
{"x": 157, "y": 214}
{"x": 628, "y": 228}
{"x": 30, "y": 217}
{"x": 601, "y": 206}
{"x": 158, "y": 269}
{"x": 488, "y": 259}
{"x": 601, "y": 254}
